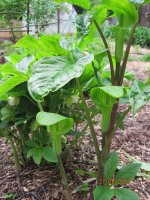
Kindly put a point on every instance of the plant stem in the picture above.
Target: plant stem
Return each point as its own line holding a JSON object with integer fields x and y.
{"x": 96, "y": 74}
{"x": 107, "y": 48}
{"x": 125, "y": 60}
{"x": 17, "y": 163}
{"x": 117, "y": 73}
{"x": 93, "y": 134}
{"x": 40, "y": 106}
{"x": 65, "y": 154}
{"x": 64, "y": 179}
{"x": 110, "y": 137}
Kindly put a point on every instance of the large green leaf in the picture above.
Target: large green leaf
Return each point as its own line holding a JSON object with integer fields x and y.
{"x": 124, "y": 10}
{"x": 11, "y": 77}
{"x": 8, "y": 69}
{"x": 43, "y": 46}
{"x": 124, "y": 194}
{"x": 23, "y": 65}
{"x": 103, "y": 193}
{"x": 50, "y": 74}
{"x": 14, "y": 58}
{"x": 128, "y": 171}
{"x": 84, "y": 3}
{"x": 110, "y": 165}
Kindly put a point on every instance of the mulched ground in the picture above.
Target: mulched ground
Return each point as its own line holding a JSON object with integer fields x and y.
{"x": 44, "y": 182}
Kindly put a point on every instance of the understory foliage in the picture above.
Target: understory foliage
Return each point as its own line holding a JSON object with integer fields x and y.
{"x": 43, "y": 86}
{"x": 141, "y": 36}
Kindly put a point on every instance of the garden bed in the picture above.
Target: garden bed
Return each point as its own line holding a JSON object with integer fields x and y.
{"x": 44, "y": 182}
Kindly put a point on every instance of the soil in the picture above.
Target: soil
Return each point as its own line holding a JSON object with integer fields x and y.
{"x": 44, "y": 183}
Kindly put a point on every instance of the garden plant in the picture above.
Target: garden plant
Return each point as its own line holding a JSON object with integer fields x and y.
{"x": 44, "y": 88}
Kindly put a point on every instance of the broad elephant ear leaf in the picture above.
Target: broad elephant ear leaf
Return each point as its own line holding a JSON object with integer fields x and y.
{"x": 50, "y": 74}
{"x": 84, "y": 3}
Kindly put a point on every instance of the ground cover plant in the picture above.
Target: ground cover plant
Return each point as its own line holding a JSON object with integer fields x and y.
{"x": 43, "y": 90}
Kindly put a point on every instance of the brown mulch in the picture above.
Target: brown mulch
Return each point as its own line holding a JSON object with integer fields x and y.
{"x": 44, "y": 182}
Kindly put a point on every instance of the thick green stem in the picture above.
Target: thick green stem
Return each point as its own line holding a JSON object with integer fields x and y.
{"x": 67, "y": 192}
{"x": 107, "y": 49}
{"x": 109, "y": 133}
{"x": 125, "y": 60}
{"x": 17, "y": 163}
{"x": 40, "y": 106}
{"x": 93, "y": 134}
{"x": 117, "y": 73}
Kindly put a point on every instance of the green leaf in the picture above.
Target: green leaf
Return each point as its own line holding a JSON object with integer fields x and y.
{"x": 125, "y": 11}
{"x": 128, "y": 171}
{"x": 84, "y": 3}
{"x": 48, "y": 44}
{"x": 137, "y": 1}
{"x": 105, "y": 102}
{"x": 8, "y": 69}
{"x": 23, "y": 65}
{"x": 55, "y": 122}
{"x": 49, "y": 154}
{"x": 103, "y": 193}
{"x": 139, "y": 95}
{"x": 4, "y": 97}
{"x": 57, "y": 125}
{"x": 99, "y": 13}
{"x": 113, "y": 91}
{"x": 12, "y": 82}
{"x": 48, "y": 119}
{"x": 147, "y": 1}
{"x": 36, "y": 153}
{"x": 110, "y": 165}
{"x": 14, "y": 58}
{"x": 124, "y": 194}
{"x": 37, "y": 156}
{"x": 7, "y": 113}
{"x": 50, "y": 74}
{"x": 104, "y": 97}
